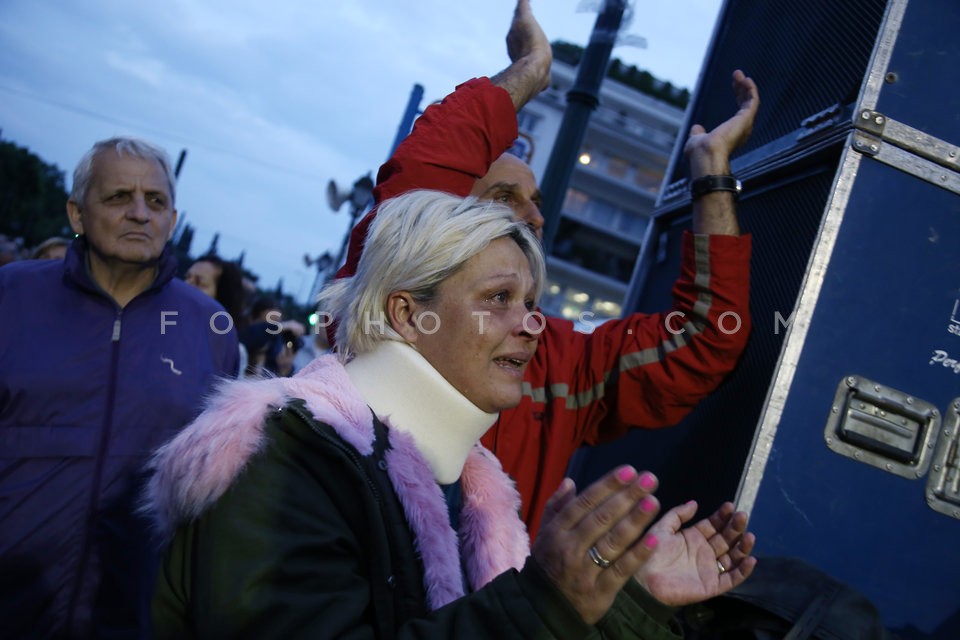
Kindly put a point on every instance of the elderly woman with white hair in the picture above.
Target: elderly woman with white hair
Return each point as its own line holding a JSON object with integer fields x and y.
{"x": 353, "y": 499}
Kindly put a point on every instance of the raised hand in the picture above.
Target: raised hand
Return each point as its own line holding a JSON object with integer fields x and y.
{"x": 525, "y": 36}
{"x": 590, "y": 544}
{"x": 709, "y": 152}
{"x": 530, "y": 56}
{"x": 686, "y": 565}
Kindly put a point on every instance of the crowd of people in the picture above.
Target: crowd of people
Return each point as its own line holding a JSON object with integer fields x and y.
{"x": 12, "y": 249}
{"x": 176, "y": 462}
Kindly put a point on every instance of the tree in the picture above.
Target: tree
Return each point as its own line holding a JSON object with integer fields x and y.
{"x": 639, "y": 79}
{"x": 567, "y": 52}
{"x": 32, "y": 196}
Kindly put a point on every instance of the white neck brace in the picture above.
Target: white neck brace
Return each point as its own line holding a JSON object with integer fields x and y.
{"x": 408, "y": 394}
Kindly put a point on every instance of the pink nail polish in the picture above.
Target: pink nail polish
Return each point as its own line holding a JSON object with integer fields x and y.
{"x": 650, "y": 541}
{"x": 648, "y": 481}
{"x": 647, "y": 505}
{"x": 626, "y": 474}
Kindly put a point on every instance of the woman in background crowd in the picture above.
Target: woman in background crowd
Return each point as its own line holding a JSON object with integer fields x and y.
{"x": 222, "y": 281}
{"x": 54, "y": 248}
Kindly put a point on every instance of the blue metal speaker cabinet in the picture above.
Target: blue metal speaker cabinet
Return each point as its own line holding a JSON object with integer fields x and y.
{"x": 855, "y": 465}
{"x": 839, "y": 429}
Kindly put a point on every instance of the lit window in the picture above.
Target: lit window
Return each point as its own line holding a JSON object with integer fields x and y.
{"x": 618, "y": 167}
{"x": 576, "y": 201}
{"x": 649, "y": 178}
{"x": 570, "y": 313}
{"x": 606, "y": 308}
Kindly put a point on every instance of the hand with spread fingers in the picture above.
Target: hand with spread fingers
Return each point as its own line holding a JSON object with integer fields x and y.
{"x": 591, "y": 544}
{"x": 704, "y": 148}
{"x": 694, "y": 563}
{"x": 709, "y": 155}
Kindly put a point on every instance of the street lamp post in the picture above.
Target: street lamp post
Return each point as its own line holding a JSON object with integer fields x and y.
{"x": 582, "y": 99}
{"x": 359, "y": 197}
{"x": 322, "y": 263}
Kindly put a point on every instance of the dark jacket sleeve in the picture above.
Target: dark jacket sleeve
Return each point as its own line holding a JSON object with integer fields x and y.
{"x": 636, "y": 614}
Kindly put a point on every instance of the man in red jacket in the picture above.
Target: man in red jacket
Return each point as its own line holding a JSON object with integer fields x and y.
{"x": 639, "y": 371}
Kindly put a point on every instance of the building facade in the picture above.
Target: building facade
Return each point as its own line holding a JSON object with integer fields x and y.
{"x": 610, "y": 196}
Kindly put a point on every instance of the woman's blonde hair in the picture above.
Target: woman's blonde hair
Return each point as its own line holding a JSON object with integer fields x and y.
{"x": 415, "y": 242}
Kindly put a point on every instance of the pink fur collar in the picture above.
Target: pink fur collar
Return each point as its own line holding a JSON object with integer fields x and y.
{"x": 194, "y": 469}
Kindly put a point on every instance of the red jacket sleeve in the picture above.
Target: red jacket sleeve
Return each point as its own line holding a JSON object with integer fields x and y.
{"x": 452, "y": 144}
{"x": 651, "y": 370}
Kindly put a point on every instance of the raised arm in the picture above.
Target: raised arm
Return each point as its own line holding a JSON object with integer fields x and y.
{"x": 709, "y": 154}
{"x": 530, "y": 58}
{"x": 454, "y": 142}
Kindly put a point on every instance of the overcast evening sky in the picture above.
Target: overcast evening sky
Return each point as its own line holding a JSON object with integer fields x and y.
{"x": 272, "y": 100}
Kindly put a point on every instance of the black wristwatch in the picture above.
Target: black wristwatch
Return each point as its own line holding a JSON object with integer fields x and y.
{"x": 709, "y": 184}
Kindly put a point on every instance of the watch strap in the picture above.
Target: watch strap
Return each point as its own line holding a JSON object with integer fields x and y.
{"x": 708, "y": 184}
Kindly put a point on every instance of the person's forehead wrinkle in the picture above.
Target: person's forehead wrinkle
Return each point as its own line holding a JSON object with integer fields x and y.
{"x": 502, "y": 275}
{"x": 502, "y": 184}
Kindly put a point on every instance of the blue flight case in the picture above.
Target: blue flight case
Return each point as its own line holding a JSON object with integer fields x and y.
{"x": 855, "y": 466}
{"x": 840, "y": 430}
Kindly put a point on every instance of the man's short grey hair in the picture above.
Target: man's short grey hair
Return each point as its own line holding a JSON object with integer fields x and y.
{"x": 124, "y": 145}
{"x": 415, "y": 242}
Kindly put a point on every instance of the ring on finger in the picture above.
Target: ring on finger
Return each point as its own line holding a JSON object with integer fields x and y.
{"x": 598, "y": 559}
{"x": 721, "y": 568}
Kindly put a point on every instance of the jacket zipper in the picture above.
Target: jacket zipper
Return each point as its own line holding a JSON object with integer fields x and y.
{"x": 348, "y": 451}
{"x": 98, "y": 469}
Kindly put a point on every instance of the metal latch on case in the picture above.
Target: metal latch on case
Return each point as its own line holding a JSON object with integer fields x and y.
{"x": 943, "y": 486}
{"x": 882, "y": 427}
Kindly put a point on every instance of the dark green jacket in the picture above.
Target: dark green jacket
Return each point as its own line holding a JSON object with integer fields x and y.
{"x": 314, "y": 520}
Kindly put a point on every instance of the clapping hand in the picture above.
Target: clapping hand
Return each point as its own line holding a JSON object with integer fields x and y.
{"x": 695, "y": 563}
{"x": 590, "y": 544}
